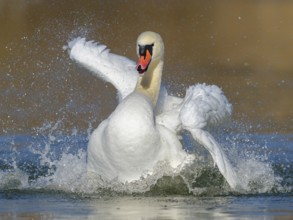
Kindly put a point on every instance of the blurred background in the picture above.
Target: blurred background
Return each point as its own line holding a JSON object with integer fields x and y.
{"x": 245, "y": 47}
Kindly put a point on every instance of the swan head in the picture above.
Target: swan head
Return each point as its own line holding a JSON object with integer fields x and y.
{"x": 150, "y": 49}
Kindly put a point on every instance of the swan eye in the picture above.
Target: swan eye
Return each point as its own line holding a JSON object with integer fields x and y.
{"x": 142, "y": 49}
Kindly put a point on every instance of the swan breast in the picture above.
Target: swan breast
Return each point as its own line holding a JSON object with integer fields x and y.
{"x": 131, "y": 128}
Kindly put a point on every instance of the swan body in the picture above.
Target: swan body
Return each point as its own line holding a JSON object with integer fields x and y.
{"x": 129, "y": 143}
{"x": 144, "y": 128}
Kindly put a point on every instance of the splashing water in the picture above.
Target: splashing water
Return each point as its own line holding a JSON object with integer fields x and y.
{"x": 54, "y": 161}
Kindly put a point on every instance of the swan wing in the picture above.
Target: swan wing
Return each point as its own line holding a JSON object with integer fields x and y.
{"x": 204, "y": 105}
{"x": 117, "y": 70}
{"x": 220, "y": 159}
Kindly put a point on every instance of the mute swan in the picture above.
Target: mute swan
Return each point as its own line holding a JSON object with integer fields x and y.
{"x": 144, "y": 127}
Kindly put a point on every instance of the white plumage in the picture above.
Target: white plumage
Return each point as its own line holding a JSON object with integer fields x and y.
{"x": 117, "y": 70}
{"x": 204, "y": 105}
{"x": 136, "y": 136}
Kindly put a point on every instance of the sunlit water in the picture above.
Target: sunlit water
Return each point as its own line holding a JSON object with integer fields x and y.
{"x": 50, "y": 106}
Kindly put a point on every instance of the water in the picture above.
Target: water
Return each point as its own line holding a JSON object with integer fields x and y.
{"x": 44, "y": 177}
{"x": 49, "y": 106}
{"x": 260, "y": 207}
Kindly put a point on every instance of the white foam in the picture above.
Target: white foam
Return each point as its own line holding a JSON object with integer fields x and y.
{"x": 67, "y": 172}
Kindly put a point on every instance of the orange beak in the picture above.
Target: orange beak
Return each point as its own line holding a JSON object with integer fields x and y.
{"x": 144, "y": 62}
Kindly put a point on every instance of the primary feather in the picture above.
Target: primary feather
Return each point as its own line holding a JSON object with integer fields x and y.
{"x": 117, "y": 70}
{"x": 204, "y": 105}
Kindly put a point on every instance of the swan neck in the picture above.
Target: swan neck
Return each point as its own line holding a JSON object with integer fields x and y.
{"x": 149, "y": 84}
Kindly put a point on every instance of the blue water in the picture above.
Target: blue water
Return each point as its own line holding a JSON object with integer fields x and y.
{"x": 43, "y": 176}
{"x": 40, "y": 156}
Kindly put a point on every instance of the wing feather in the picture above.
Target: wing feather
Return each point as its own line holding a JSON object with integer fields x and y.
{"x": 117, "y": 70}
{"x": 204, "y": 105}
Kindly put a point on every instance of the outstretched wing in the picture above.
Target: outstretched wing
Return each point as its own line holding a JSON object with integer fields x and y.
{"x": 207, "y": 105}
{"x": 203, "y": 105}
{"x": 117, "y": 70}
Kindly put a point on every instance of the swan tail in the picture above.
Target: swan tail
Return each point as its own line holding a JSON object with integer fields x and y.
{"x": 218, "y": 155}
{"x": 204, "y": 105}
{"x": 112, "y": 68}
